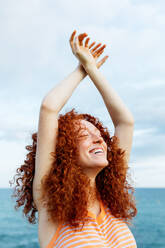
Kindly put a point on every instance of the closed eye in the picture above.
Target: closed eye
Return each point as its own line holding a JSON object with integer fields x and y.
{"x": 88, "y": 135}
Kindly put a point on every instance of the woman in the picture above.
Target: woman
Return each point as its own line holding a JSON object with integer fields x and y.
{"x": 75, "y": 174}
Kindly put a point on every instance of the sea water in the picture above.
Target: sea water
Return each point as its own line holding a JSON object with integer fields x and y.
{"x": 148, "y": 226}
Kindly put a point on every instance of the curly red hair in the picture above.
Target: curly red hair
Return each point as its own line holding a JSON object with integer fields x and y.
{"x": 64, "y": 190}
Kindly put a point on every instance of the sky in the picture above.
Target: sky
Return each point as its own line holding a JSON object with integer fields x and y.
{"x": 35, "y": 55}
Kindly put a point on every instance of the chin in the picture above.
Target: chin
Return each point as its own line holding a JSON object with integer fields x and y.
{"x": 101, "y": 164}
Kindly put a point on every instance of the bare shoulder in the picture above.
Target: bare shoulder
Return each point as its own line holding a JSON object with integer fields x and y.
{"x": 46, "y": 229}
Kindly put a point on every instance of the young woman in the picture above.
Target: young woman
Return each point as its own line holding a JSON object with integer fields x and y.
{"x": 75, "y": 174}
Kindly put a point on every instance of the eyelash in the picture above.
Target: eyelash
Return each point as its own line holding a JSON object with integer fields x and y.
{"x": 87, "y": 135}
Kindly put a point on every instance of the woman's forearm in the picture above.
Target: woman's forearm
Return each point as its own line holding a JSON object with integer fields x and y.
{"x": 59, "y": 95}
{"x": 118, "y": 111}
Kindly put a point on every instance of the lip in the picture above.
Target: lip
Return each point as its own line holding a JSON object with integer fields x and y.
{"x": 90, "y": 151}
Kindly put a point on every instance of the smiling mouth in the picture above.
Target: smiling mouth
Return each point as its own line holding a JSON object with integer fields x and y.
{"x": 97, "y": 154}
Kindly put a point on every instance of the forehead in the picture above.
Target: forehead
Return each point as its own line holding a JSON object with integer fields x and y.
{"x": 85, "y": 125}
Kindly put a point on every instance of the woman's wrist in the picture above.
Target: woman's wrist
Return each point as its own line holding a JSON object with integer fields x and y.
{"x": 84, "y": 70}
{"x": 90, "y": 67}
{"x": 80, "y": 69}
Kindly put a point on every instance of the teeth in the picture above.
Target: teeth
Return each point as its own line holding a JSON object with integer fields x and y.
{"x": 97, "y": 150}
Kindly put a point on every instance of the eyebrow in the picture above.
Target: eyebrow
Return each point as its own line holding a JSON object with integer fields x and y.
{"x": 94, "y": 130}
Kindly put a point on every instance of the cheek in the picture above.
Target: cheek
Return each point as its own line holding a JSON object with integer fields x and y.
{"x": 83, "y": 148}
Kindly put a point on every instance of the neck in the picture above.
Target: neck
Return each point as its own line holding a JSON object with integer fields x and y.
{"x": 93, "y": 193}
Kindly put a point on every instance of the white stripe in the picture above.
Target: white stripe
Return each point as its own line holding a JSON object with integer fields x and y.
{"x": 108, "y": 221}
{"x": 118, "y": 239}
{"x": 76, "y": 234}
{"x": 85, "y": 239}
{"x": 125, "y": 242}
{"x": 110, "y": 229}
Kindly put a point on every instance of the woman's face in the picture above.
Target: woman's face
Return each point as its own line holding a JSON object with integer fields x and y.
{"x": 90, "y": 142}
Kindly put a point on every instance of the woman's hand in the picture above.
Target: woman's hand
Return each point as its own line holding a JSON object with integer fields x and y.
{"x": 85, "y": 54}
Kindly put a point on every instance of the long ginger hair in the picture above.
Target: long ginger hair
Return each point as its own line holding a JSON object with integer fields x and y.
{"x": 64, "y": 189}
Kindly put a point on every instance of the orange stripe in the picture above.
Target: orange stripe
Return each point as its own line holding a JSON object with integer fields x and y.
{"x": 92, "y": 233}
{"x": 127, "y": 243}
{"x": 114, "y": 227}
{"x": 127, "y": 234}
{"x": 81, "y": 242}
{"x": 123, "y": 239}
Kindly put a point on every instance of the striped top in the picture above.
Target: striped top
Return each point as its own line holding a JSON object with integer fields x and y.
{"x": 103, "y": 231}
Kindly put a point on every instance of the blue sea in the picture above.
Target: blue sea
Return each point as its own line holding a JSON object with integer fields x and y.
{"x": 148, "y": 229}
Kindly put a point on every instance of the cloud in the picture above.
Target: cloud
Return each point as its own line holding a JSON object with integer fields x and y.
{"x": 11, "y": 158}
{"x": 149, "y": 172}
{"x": 35, "y": 56}
{"x": 147, "y": 143}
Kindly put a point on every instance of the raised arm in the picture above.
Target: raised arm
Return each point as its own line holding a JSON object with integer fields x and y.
{"x": 48, "y": 125}
{"x": 121, "y": 117}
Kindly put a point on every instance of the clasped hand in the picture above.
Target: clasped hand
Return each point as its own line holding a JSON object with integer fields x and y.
{"x": 84, "y": 53}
